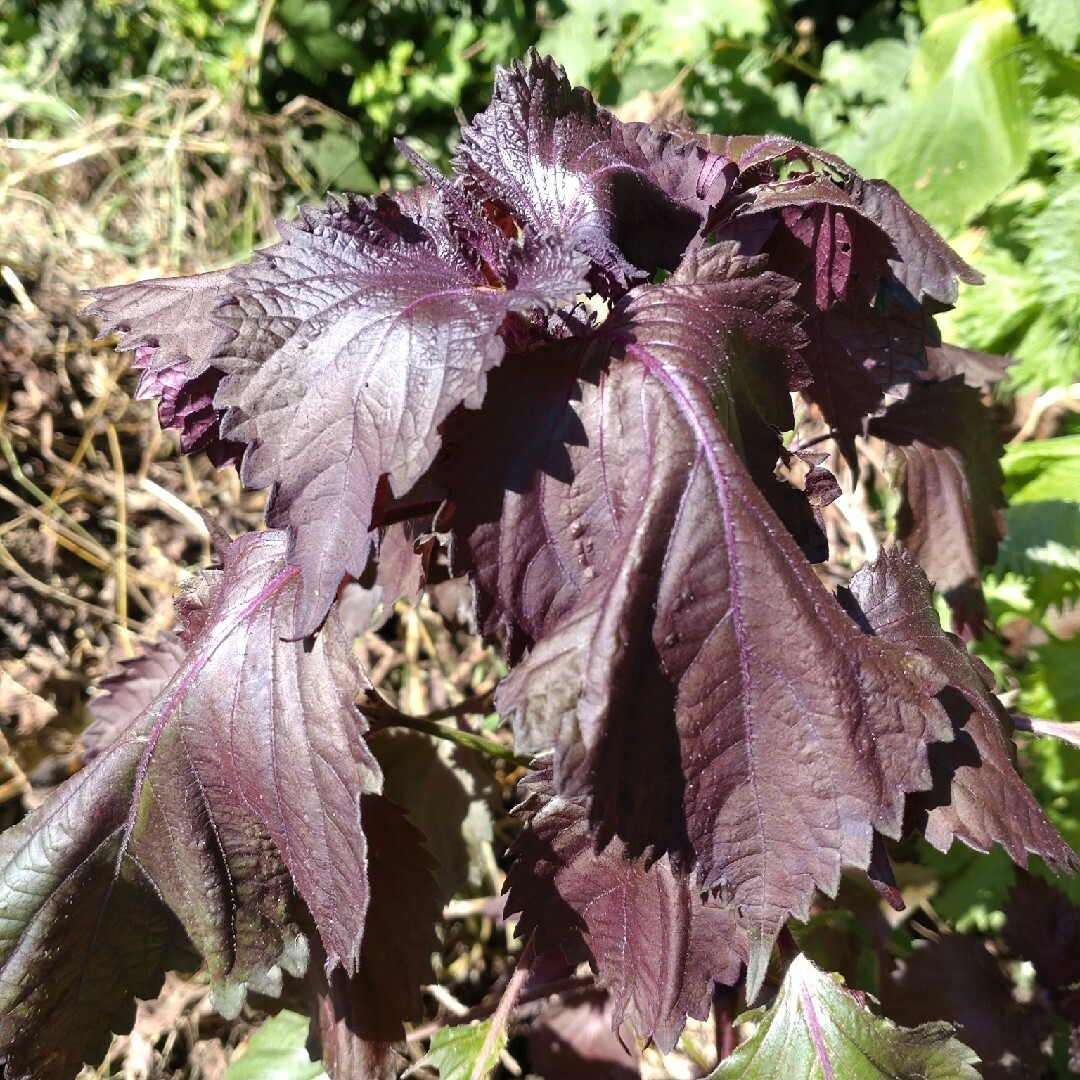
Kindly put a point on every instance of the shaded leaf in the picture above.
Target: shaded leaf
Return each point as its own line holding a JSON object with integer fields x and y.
{"x": 816, "y": 1029}
{"x": 655, "y": 942}
{"x": 814, "y": 230}
{"x": 858, "y": 358}
{"x": 362, "y": 1015}
{"x": 955, "y": 978}
{"x": 632, "y": 537}
{"x": 187, "y": 403}
{"x": 81, "y": 933}
{"x": 978, "y": 369}
{"x": 924, "y": 266}
{"x": 950, "y": 485}
{"x": 234, "y": 790}
{"x": 1043, "y": 926}
{"x": 978, "y": 796}
{"x": 574, "y": 1040}
{"x": 399, "y": 933}
{"x": 447, "y": 795}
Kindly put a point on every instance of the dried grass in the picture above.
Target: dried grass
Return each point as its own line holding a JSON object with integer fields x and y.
{"x": 95, "y": 530}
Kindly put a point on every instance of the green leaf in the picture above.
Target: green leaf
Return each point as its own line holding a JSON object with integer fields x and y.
{"x": 456, "y": 1051}
{"x": 972, "y": 886}
{"x": 1042, "y": 471}
{"x": 1057, "y": 21}
{"x": 1043, "y": 547}
{"x": 816, "y": 1030}
{"x": 965, "y": 138}
{"x": 1055, "y": 693}
{"x": 277, "y": 1052}
{"x": 860, "y": 99}
{"x": 930, "y": 10}
{"x": 449, "y": 798}
{"x": 643, "y": 45}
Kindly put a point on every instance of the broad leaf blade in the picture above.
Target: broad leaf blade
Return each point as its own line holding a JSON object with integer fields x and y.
{"x": 562, "y": 165}
{"x": 353, "y": 340}
{"x": 362, "y": 1015}
{"x": 816, "y": 1030}
{"x": 277, "y": 1051}
{"x": 171, "y": 326}
{"x": 978, "y": 796}
{"x": 966, "y": 135}
{"x": 235, "y": 789}
{"x": 950, "y": 484}
{"x": 573, "y": 1039}
{"x": 81, "y": 932}
{"x": 688, "y": 662}
{"x": 126, "y": 694}
{"x": 924, "y": 265}
{"x": 173, "y": 317}
{"x": 860, "y": 357}
{"x": 655, "y": 942}
{"x": 955, "y": 978}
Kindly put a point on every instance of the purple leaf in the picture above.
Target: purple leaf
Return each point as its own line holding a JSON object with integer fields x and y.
{"x": 1043, "y": 926}
{"x": 171, "y": 327}
{"x": 815, "y": 234}
{"x": 361, "y": 1015}
{"x": 353, "y": 340}
{"x": 848, "y": 254}
{"x": 656, "y": 944}
{"x": 559, "y": 164}
{"x": 688, "y": 170}
{"x": 870, "y": 270}
{"x": 859, "y": 357}
{"x": 573, "y": 1039}
{"x": 978, "y": 796}
{"x": 925, "y": 265}
{"x": 978, "y": 369}
{"x": 81, "y": 933}
{"x": 173, "y": 316}
{"x": 955, "y": 978}
{"x": 236, "y": 788}
{"x": 131, "y": 690}
{"x": 188, "y": 404}
{"x": 950, "y": 484}
{"x": 687, "y": 663}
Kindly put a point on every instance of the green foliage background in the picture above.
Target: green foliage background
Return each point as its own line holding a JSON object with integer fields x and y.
{"x": 970, "y": 107}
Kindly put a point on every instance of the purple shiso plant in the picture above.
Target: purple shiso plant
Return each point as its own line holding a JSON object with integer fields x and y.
{"x": 563, "y": 372}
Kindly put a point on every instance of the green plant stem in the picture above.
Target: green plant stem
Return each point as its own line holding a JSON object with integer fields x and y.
{"x": 384, "y": 715}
